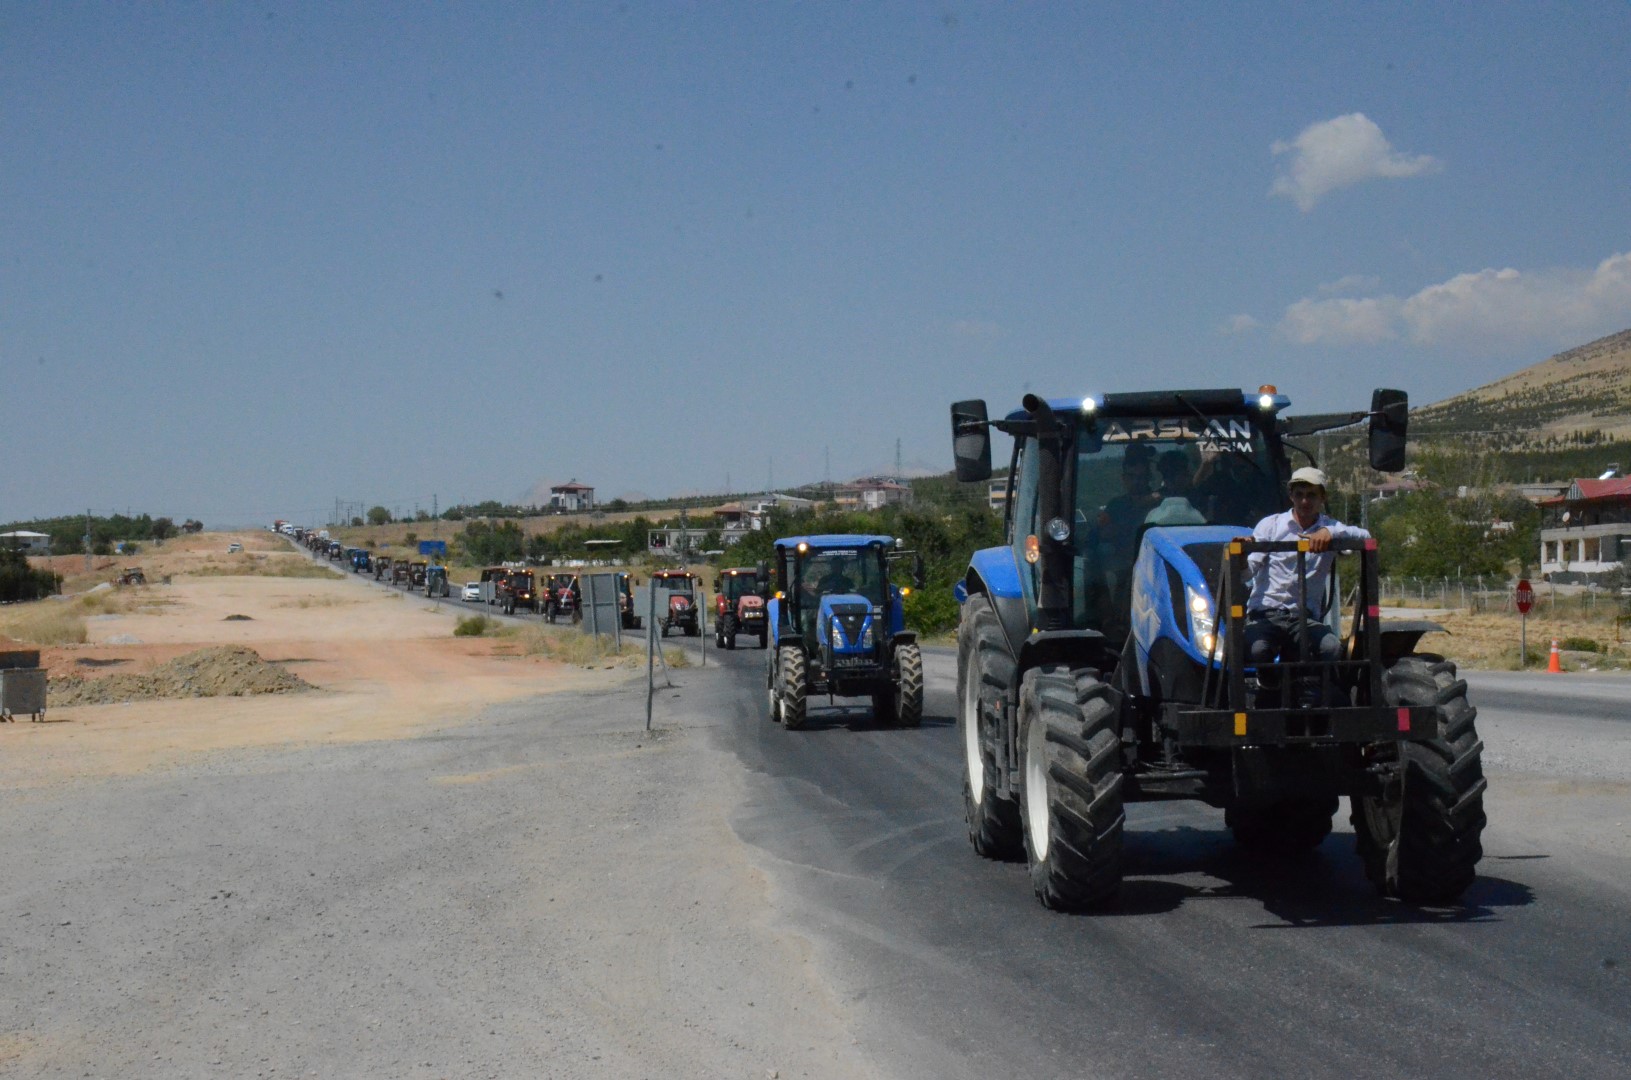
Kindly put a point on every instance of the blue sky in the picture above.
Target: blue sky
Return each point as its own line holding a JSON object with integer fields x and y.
{"x": 257, "y": 258}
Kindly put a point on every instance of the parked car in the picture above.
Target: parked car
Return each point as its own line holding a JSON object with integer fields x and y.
{"x": 471, "y": 592}
{"x": 233, "y": 549}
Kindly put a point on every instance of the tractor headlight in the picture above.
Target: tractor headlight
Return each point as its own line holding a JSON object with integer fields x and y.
{"x": 866, "y": 635}
{"x": 1202, "y": 626}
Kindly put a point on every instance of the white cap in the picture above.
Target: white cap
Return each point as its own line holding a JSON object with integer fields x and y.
{"x": 1309, "y": 475}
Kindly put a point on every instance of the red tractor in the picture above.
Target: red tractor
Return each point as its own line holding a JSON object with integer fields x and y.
{"x": 679, "y": 610}
{"x": 739, "y": 606}
{"x": 518, "y": 591}
{"x": 561, "y": 598}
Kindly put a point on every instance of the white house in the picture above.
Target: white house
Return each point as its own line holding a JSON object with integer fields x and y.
{"x": 33, "y": 543}
{"x": 571, "y": 496}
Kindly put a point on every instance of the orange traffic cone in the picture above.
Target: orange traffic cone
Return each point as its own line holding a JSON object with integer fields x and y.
{"x": 1555, "y": 664}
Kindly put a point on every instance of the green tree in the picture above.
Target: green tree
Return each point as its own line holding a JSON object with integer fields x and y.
{"x": 492, "y": 544}
{"x": 378, "y": 515}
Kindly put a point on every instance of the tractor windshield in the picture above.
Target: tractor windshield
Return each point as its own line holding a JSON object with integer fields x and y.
{"x": 830, "y": 571}
{"x": 1138, "y": 473}
{"x": 736, "y": 586}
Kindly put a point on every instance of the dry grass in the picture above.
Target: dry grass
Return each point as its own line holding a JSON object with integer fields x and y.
{"x": 1490, "y": 641}
{"x": 589, "y": 651}
{"x": 318, "y": 602}
{"x": 44, "y": 622}
{"x": 248, "y": 564}
{"x": 61, "y": 620}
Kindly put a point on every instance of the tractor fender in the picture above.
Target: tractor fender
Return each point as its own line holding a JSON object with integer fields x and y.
{"x": 994, "y": 572}
{"x": 1075, "y": 648}
{"x": 903, "y": 637}
{"x": 1399, "y": 636}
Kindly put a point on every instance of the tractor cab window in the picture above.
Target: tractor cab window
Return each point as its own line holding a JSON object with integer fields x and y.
{"x": 679, "y": 583}
{"x": 1137, "y": 474}
{"x": 841, "y": 570}
{"x": 736, "y": 586}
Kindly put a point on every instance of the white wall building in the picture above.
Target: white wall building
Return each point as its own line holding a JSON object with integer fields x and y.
{"x": 33, "y": 543}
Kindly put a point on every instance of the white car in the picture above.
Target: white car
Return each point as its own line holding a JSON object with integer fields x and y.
{"x": 233, "y": 549}
{"x": 471, "y": 591}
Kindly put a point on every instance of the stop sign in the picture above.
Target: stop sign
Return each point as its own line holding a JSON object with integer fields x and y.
{"x": 1525, "y": 596}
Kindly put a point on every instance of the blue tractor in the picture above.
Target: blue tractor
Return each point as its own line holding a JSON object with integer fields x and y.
{"x": 1102, "y": 656}
{"x": 837, "y": 628}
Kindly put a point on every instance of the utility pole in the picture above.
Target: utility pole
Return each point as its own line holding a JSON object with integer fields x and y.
{"x": 87, "y": 540}
{"x": 898, "y": 472}
{"x": 435, "y": 516}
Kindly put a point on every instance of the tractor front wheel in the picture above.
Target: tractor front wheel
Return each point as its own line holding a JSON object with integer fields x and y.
{"x": 792, "y": 678}
{"x": 1070, "y": 753}
{"x": 907, "y": 692}
{"x": 985, "y": 676}
{"x": 1420, "y": 837}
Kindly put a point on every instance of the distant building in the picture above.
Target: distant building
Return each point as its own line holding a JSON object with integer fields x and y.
{"x": 1586, "y": 532}
{"x": 996, "y": 495}
{"x": 871, "y": 494}
{"x": 32, "y": 543}
{"x": 675, "y": 542}
{"x": 571, "y": 497}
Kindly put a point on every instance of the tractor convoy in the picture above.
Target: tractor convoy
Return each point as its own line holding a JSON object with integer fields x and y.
{"x": 1144, "y": 634}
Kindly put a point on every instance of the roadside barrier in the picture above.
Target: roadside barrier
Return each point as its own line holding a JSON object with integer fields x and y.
{"x": 1555, "y": 664}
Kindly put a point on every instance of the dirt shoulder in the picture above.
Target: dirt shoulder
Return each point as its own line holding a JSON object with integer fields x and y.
{"x": 384, "y": 666}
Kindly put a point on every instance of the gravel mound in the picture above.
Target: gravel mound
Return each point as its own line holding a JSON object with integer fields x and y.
{"x": 224, "y": 671}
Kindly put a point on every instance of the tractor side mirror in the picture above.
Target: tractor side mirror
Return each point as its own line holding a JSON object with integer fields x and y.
{"x": 761, "y": 576}
{"x": 970, "y": 440}
{"x": 1389, "y": 416}
{"x": 917, "y": 571}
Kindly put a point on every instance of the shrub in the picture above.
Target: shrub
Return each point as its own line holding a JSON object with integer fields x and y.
{"x": 931, "y": 611}
{"x": 474, "y": 626}
{"x": 1580, "y": 644}
{"x": 19, "y": 581}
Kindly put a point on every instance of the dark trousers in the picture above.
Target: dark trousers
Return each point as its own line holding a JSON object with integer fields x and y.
{"x": 1272, "y": 635}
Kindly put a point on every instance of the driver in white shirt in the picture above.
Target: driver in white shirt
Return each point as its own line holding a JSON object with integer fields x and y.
{"x": 1273, "y": 620}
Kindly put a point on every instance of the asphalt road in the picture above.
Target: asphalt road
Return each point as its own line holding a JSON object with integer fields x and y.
{"x": 465, "y": 903}
{"x": 1214, "y": 963}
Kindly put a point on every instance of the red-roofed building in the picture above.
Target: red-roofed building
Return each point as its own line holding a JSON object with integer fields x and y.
{"x": 1586, "y": 532}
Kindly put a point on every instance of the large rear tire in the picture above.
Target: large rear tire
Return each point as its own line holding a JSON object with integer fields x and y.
{"x": 1070, "y": 753}
{"x": 1420, "y": 839}
{"x": 1285, "y": 828}
{"x": 792, "y": 679}
{"x": 985, "y": 678}
{"x": 907, "y": 698}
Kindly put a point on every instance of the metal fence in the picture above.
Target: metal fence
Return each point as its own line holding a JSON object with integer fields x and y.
{"x": 1494, "y": 594}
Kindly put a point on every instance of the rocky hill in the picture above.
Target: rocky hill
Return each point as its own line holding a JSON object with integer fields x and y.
{"x": 1579, "y": 396}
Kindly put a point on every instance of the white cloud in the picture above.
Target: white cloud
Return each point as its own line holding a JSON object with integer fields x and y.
{"x": 1338, "y": 153}
{"x": 1340, "y": 321}
{"x": 1351, "y": 284}
{"x": 1561, "y": 306}
{"x": 1237, "y": 324}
